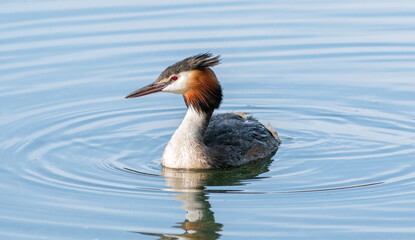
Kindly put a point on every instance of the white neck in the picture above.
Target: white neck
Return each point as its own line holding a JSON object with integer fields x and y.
{"x": 186, "y": 148}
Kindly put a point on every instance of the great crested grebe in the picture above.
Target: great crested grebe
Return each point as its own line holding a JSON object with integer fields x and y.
{"x": 203, "y": 141}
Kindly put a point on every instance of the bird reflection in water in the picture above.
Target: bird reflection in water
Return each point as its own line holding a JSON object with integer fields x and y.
{"x": 191, "y": 185}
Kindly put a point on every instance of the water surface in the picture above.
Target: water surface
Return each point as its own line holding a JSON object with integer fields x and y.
{"x": 336, "y": 80}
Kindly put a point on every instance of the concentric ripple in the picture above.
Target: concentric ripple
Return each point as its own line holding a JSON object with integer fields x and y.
{"x": 80, "y": 162}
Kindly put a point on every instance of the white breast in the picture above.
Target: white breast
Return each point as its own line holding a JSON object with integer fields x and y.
{"x": 186, "y": 148}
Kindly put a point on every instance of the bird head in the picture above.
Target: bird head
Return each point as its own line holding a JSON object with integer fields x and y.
{"x": 191, "y": 77}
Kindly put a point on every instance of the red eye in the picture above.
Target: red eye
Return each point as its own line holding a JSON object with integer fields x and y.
{"x": 174, "y": 78}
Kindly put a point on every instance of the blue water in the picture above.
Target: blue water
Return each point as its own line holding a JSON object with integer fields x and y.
{"x": 336, "y": 80}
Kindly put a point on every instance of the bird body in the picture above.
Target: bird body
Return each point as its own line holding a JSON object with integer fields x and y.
{"x": 203, "y": 140}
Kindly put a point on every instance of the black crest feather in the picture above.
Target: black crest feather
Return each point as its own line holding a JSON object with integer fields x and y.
{"x": 199, "y": 61}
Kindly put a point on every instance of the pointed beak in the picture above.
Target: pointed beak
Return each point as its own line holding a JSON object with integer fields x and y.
{"x": 149, "y": 89}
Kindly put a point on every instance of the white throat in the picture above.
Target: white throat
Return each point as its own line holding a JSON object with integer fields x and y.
{"x": 186, "y": 148}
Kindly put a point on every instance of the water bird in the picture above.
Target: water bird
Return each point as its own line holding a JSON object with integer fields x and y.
{"x": 205, "y": 140}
